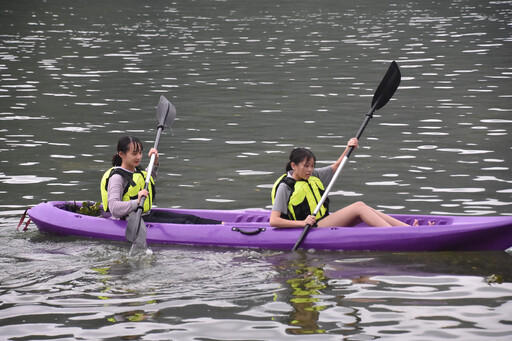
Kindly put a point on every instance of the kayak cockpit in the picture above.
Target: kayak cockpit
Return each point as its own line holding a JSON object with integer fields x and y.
{"x": 91, "y": 208}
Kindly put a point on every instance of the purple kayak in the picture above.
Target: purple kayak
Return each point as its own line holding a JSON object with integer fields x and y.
{"x": 250, "y": 229}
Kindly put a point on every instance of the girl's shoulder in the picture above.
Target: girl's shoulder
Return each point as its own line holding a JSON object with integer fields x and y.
{"x": 320, "y": 172}
{"x": 119, "y": 178}
{"x": 285, "y": 186}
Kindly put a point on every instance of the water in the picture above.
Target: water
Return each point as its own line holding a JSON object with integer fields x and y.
{"x": 64, "y": 288}
{"x": 251, "y": 80}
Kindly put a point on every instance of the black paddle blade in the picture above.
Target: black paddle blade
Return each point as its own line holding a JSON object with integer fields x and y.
{"x": 165, "y": 112}
{"x": 387, "y": 87}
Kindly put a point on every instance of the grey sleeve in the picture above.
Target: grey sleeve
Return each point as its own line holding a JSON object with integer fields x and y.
{"x": 325, "y": 174}
{"x": 281, "y": 201}
{"x": 116, "y": 205}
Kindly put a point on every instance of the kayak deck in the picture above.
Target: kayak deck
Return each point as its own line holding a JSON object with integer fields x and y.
{"x": 250, "y": 228}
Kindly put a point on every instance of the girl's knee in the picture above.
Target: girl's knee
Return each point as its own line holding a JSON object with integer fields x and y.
{"x": 361, "y": 208}
{"x": 359, "y": 204}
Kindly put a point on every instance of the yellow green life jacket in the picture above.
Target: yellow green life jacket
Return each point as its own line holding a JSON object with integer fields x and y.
{"x": 304, "y": 197}
{"x": 136, "y": 182}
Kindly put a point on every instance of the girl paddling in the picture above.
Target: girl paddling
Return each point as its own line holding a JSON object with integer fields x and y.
{"x": 122, "y": 186}
{"x": 296, "y": 194}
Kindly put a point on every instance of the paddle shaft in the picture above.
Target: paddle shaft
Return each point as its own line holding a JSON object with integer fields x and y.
{"x": 382, "y": 95}
{"x": 165, "y": 112}
{"x": 135, "y": 229}
{"x": 150, "y": 170}
{"x": 305, "y": 231}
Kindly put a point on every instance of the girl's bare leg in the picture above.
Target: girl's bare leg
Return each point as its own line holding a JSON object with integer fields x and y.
{"x": 390, "y": 220}
{"x": 357, "y": 212}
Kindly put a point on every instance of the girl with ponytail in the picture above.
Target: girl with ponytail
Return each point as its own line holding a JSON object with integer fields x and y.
{"x": 122, "y": 186}
{"x": 296, "y": 194}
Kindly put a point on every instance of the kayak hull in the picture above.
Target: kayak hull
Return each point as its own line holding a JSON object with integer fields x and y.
{"x": 251, "y": 229}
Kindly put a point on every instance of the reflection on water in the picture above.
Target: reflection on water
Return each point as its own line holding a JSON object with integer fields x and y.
{"x": 306, "y": 289}
{"x": 364, "y": 296}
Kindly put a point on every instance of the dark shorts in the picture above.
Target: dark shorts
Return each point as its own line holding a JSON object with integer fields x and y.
{"x": 177, "y": 218}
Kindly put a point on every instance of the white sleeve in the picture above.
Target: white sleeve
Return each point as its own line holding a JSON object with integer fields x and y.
{"x": 325, "y": 174}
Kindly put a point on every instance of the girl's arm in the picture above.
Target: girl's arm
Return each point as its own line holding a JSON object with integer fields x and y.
{"x": 353, "y": 142}
{"x": 116, "y": 205}
{"x": 277, "y": 221}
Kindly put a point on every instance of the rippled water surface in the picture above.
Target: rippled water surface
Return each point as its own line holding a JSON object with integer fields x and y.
{"x": 250, "y": 80}
{"x": 64, "y": 288}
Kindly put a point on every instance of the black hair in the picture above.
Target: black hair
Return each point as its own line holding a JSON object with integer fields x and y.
{"x": 298, "y": 155}
{"x": 123, "y": 145}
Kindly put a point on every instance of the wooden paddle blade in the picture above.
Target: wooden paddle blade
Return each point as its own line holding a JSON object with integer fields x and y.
{"x": 165, "y": 112}
{"x": 387, "y": 87}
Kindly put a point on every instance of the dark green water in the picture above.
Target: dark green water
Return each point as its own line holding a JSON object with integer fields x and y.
{"x": 251, "y": 80}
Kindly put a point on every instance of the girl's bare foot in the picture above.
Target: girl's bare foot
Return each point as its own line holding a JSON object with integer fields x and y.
{"x": 417, "y": 223}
